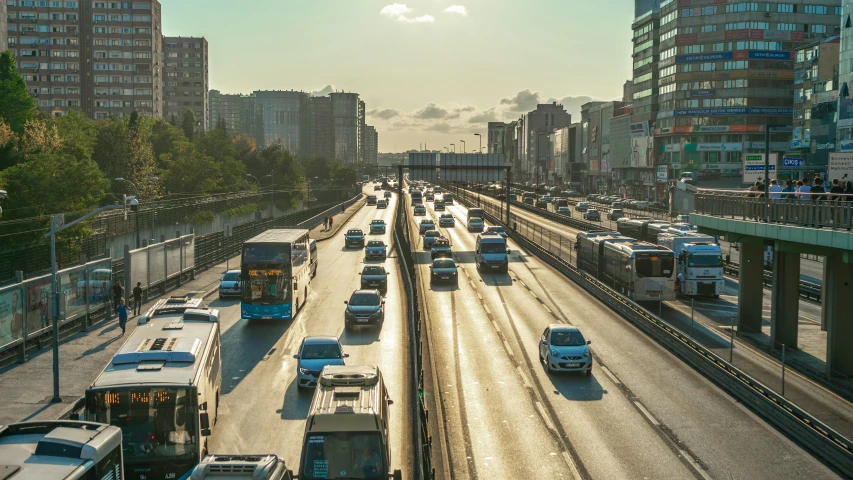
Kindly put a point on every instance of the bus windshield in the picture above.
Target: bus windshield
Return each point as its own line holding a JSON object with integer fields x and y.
{"x": 655, "y": 266}
{"x": 266, "y": 284}
{"x": 155, "y": 422}
{"x": 349, "y": 454}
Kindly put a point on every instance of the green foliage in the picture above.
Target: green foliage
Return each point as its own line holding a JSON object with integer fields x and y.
{"x": 190, "y": 171}
{"x": 53, "y": 182}
{"x": 203, "y": 216}
{"x": 78, "y": 132}
{"x": 188, "y": 124}
{"x": 16, "y": 104}
{"x": 246, "y": 209}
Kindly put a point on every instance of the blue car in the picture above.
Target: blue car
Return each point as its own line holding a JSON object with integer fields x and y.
{"x": 376, "y": 249}
{"x": 377, "y": 226}
{"x": 354, "y": 238}
{"x": 314, "y": 354}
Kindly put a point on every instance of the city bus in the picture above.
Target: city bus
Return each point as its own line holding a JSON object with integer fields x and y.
{"x": 162, "y": 389}
{"x": 60, "y": 449}
{"x": 275, "y": 274}
{"x": 639, "y": 270}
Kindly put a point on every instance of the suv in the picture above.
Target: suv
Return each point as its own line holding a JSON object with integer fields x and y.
{"x": 447, "y": 198}
{"x": 592, "y": 215}
{"x": 582, "y": 206}
{"x": 374, "y": 276}
{"x": 615, "y": 214}
{"x": 564, "y": 211}
{"x": 349, "y": 415}
{"x": 371, "y": 199}
{"x": 354, "y": 237}
{"x": 377, "y": 226}
{"x": 364, "y": 307}
{"x": 440, "y": 248}
{"x": 313, "y": 355}
{"x": 381, "y": 204}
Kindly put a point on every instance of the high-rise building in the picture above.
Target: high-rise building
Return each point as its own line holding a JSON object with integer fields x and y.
{"x": 725, "y": 73}
{"x": 844, "y": 136}
{"x": 371, "y": 145}
{"x": 496, "y": 132}
{"x": 627, "y": 91}
{"x": 345, "y": 126}
{"x": 101, "y": 57}
{"x": 322, "y": 137}
{"x": 185, "y": 79}
{"x": 237, "y": 110}
{"x": 532, "y": 135}
{"x": 643, "y": 6}
{"x": 285, "y": 118}
{"x": 3, "y": 27}
{"x": 362, "y": 127}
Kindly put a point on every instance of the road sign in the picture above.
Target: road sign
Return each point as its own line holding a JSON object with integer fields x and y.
{"x": 753, "y": 167}
{"x": 793, "y": 162}
{"x": 840, "y": 167}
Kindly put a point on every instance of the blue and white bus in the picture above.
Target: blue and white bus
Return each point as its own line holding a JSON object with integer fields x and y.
{"x": 275, "y": 274}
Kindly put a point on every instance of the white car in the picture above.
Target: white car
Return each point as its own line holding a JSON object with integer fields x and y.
{"x": 564, "y": 349}
{"x": 476, "y": 224}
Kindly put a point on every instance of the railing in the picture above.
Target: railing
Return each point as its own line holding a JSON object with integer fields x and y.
{"x": 823, "y": 210}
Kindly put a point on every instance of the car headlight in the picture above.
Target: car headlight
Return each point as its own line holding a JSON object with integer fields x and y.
{"x": 348, "y": 314}
{"x": 303, "y": 371}
{"x": 555, "y": 353}
{"x": 586, "y": 353}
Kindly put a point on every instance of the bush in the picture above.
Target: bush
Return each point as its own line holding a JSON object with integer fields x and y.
{"x": 203, "y": 216}
{"x": 246, "y": 209}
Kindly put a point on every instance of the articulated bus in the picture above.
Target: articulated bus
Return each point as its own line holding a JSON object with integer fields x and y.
{"x": 639, "y": 270}
{"x": 162, "y": 389}
{"x": 60, "y": 450}
{"x": 275, "y": 274}
{"x": 591, "y": 251}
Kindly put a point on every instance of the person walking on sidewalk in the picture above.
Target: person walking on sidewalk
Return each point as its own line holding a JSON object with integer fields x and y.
{"x": 331, "y": 221}
{"x": 325, "y": 224}
{"x": 118, "y": 293}
{"x": 137, "y": 298}
{"x": 122, "y": 310}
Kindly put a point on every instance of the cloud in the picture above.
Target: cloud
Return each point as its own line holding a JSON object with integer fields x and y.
{"x": 323, "y": 91}
{"x": 384, "y": 113}
{"x": 399, "y": 11}
{"x": 431, "y": 112}
{"x": 573, "y": 104}
{"x": 523, "y": 101}
{"x": 484, "y": 117}
{"x": 469, "y": 108}
{"x": 457, "y": 10}
{"x": 442, "y": 127}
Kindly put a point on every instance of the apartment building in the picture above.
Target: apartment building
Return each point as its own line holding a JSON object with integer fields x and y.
{"x": 185, "y": 77}
{"x": 844, "y": 134}
{"x": 725, "y": 72}
{"x": 110, "y": 67}
{"x": 370, "y": 150}
{"x": 322, "y": 143}
{"x": 362, "y": 127}
{"x": 285, "y": 117}
{"x": 4, "y": 45}
{"x": 236, "y": 110}
{"x": 532, "y": 134}
{"x": 345, "y": 126}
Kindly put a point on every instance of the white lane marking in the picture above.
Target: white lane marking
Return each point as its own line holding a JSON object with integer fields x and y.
{"x": 547, "y": 309}
{"x": 548, "y": 422}
{"x": 479, "y": 296}
{"x": 507, "y": 348}
{"x": 488, "y": 312}
{"x": 534, "y": 295}
{"x": 610, "y": 374}
{"x": 523, "y": 377}
{"x": 571, "y": 464}
{"x": 647, "y": 414}
{"x": 522, "y": 283}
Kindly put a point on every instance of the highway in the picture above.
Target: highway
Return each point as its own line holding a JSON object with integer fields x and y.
{"x": 714, "y": 317}
{"x": 262, "y": 411}
{"x": 641, "y": 414}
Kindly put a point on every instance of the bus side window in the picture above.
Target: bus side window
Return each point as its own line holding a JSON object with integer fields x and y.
{"x": 109, "y": 468}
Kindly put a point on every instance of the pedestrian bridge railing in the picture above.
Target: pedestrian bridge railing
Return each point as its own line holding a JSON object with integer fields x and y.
{"x": 823, "y": 210}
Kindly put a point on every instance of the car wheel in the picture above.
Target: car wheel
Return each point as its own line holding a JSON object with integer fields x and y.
{"x": 221, "y": 297}
{"x": 299, "y": 387}
{"x": 548, "y": 364}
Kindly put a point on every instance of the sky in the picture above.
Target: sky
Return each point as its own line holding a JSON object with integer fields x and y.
{"x": 431, "y": 72}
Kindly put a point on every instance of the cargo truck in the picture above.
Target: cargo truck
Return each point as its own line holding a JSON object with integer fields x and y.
{"x": 698, "y": 263}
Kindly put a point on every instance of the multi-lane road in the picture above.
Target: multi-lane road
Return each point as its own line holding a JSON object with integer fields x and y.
{"x": 641, "y": 414}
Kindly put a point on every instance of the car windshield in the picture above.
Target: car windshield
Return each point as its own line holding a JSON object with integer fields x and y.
{"x": 373, "y": 271}
{"x": 444, "y": 263}
{"x": 427, "y": 224}
{"x": 493, "y": 247}
{"x": 231, "y": 277}
{"x": 317, "y": 351}
{"x": 564, "y": 338}
{"x": 446, "y": 215}
{"x": 709, "y": 261}
{"x": 364, "y": 300}
{"x": 354, "y": 233}
{"x": 432, "y": 233}
{"x": 375, "y": 243}
{"x": 356, "y": 455}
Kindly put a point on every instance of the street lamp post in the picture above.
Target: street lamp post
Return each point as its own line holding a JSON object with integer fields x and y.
{"x": 135, "y": 214}
{"x": 249, "y": 175}
{"x": 481, "y": 141}
{"x": 463, "y": 146}
{"x": 272, "y": 196}
{"x": 454, "y": 147}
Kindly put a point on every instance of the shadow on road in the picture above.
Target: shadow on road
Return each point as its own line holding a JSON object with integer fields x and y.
{"x": 295, "y": 403}
{"x": 364, "y": 335}
{"x": 575, "y": 386}
{"x": 246, "y": 344}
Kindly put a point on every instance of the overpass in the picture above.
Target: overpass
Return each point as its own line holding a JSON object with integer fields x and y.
{"x": 789, "y": 227}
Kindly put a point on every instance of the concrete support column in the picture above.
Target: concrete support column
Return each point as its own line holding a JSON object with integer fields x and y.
{"x": 838, "y": 303}
{"x": 785, "y": 300}
{"x": 823, "y": 294}
{"x": 750, "y": 297}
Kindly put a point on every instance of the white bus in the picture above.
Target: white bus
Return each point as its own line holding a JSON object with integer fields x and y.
{"x": 60, "y": 449}
{"x": 162, "y": 389}
{"x": 639, "y": 270}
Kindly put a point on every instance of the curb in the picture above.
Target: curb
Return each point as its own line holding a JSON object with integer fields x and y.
{"x": 362, "y": 203}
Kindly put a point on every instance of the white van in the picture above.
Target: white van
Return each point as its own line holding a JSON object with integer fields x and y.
{"x": 492, "y": 252}
{"x": 346, "y": 433}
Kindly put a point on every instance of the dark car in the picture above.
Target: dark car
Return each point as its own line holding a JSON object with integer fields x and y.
{"x": 440, "y": 248}
{"x": 377, "y": 187}
{"x": 419, "y": 210}
{"x": 364, "y": 307}
{"x": 443, "y": 270}
{"x": 377, "y": 226}
{"x": 376, "y": 249}
{"x": 374, "y": 276}
{"x": 439, "y": 206}
{"x": 496, "y": 230}
{"x": 592, "y": 214}
{"x": 229, "y": 286}
{"x": 354, "y": 238}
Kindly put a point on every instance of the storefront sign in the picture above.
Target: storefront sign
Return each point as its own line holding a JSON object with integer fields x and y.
{"x": 793, "y": 162}
{"x": 704, "y": 112}
{"x": 825, "y": 97}
{"x": 640, "y": 129}
{"x": 770, "y": 55}
{"x": 719, "y": 147}
{"x": 703, "y": 93}
{"x": 661, "y": 174}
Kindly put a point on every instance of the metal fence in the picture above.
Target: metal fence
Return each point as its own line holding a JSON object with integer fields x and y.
{"x": 808, "y": 210}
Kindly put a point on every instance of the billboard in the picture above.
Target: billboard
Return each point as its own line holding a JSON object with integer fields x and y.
{"x": 641, "y": 151}
{"x": 840, "y": 167}
{"x": 475, "y": 167}
{"x": 11, "y": 315}
{"x": 640, "y": 129}
{"x": 753, "y": 167}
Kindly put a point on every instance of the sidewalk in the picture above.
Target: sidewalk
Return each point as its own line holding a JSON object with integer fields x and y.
{"x": 26, "y": 389}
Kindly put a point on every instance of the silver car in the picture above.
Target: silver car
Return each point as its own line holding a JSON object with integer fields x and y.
{"x": 446, "y": 220}
{"x": 475, "y": 224}
{"x": 229, "y": 286}
{"x": 314, "y": 354}
{"x": 563, "y": 349}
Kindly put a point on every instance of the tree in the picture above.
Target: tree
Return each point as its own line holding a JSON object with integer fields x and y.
{"x": 165, "y": 138}
{"x": 16, "y": 104}
{"x": 188, "y": 124}
{"x": 53, "y": 182}
{"x": 111, "y": 151}
{"x": 78, "y": 132}
{"x": 190, "y": 171}
{"x": 40, "y": 137}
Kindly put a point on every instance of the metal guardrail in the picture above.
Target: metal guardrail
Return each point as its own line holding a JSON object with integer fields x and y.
{"x": 822, "y": 440}
{"x": 402, "y": 236}
{"x": 814, "y": 210}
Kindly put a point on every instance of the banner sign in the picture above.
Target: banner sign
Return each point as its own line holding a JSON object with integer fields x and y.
{"x": 793, "y": 162}
{"x": 640, "y": 129}
{"x": 702, "y": 112}
{"x": 703, "y": 93}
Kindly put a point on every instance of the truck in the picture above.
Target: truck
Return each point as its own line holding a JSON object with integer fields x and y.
{"x": 698, "y": 263}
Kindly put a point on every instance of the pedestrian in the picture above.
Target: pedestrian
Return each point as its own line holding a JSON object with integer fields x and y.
{"x": 137, "y": 298}
{"x": 789, "y": 190}
{"x": 122, "y": 310}
{"x": 118, "y": 293}
{"x": 775, "y": 190}
{"x": 818, "y": 194}
{"x": 803, "y": 189}
{"x": 836, "y": 188}
{"x": 325, "y": 224}
{"x": 331, "y": 222}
